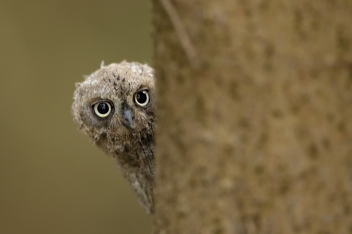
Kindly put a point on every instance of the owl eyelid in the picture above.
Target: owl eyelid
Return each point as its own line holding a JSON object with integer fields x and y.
{"x": 142, "y": 89}
{"x": 102, "y": 100}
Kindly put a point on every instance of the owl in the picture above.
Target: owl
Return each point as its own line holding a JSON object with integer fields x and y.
{"x": 115, "y": 107}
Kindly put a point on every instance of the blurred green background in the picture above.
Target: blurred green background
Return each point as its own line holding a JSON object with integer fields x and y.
{"x": 52, "y": 179}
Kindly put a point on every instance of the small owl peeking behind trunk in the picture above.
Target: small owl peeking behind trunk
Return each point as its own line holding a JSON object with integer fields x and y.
{"x": 115, "y": 107}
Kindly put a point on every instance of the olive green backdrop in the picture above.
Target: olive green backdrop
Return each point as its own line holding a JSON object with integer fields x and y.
{"x": 52, "y": 179}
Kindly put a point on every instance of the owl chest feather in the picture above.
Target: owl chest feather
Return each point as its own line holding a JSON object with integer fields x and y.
{"x": 138, "y": 166}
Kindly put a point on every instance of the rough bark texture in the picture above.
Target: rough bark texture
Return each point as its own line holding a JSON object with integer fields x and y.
{"x": 258, "y": 137}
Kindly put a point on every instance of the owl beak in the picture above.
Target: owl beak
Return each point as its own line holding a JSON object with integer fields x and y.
{"x": 128, "y": 117}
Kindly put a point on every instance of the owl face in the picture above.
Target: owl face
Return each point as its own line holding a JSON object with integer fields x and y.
{"x": 115, "y": 105}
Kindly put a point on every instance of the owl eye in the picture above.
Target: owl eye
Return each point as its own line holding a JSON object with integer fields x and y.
{"x": 102, "y": 109}
{"x": 142, "y": 98}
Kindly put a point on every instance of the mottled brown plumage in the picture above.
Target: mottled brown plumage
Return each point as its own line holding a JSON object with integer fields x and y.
{"x": 115, "y": 107}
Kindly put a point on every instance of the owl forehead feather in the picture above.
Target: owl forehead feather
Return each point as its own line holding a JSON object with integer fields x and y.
{"x": 119, "y": 72}
{"x": 123, "y": 77}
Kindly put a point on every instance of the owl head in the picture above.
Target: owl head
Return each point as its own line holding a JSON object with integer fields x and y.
{"x": 115, "y": 106}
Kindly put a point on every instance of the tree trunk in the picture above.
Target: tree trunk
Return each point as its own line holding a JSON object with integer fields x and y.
{"x": 254, "y": 115}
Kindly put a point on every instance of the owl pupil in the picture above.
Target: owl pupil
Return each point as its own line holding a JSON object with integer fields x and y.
{"x": 141, "y": 97}
{"x": 103, "y": 108}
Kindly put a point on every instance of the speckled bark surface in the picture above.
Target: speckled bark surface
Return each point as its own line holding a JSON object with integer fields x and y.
{"x": 258, "y": 138}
